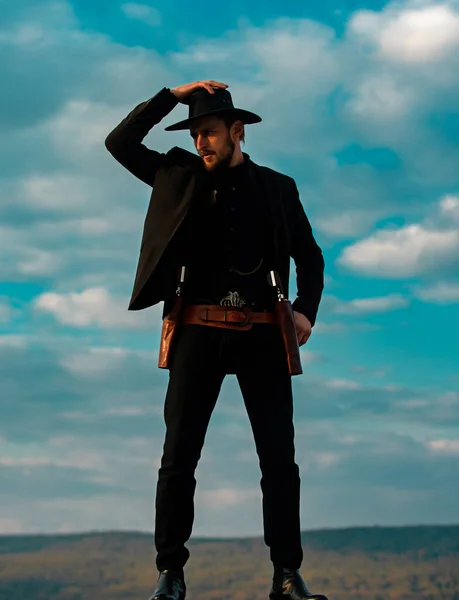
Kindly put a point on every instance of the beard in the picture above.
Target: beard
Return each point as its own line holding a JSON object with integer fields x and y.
{"x": 221, "y": 163}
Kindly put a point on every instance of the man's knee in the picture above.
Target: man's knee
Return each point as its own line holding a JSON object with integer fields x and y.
{"x": 180, "y": 456}
{"x": 278, "y": 467}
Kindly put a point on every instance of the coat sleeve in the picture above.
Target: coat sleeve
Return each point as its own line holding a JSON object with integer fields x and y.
{"x": 309, "y": 261}
{"x": 125, "y": 141}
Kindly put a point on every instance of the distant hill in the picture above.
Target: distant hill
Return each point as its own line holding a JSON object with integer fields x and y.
{"x": 356, "y": 563}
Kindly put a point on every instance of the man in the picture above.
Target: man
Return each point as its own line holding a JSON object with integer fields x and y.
{"x": 230, "y": 222}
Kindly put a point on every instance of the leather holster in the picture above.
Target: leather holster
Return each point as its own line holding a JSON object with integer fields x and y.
{"x": 286, "y": 323}
{"x": 168, "y": 333}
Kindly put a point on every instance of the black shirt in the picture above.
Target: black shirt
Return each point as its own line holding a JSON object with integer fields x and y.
{"x": 225, "y": 243}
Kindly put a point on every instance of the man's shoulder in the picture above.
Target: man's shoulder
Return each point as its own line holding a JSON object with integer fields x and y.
{"x": 181, "y": 157}
{"x": 276, "y": 176}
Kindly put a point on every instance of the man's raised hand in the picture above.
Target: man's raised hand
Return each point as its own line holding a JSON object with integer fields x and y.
{"x": 183, "y": 91}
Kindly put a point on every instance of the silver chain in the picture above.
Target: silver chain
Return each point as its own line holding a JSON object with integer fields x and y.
{"x": 248, "y": 272}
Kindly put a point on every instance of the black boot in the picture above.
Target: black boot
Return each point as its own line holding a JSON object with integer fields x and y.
{"x": 170, "y": 586}
{"x": 289, "y": 585}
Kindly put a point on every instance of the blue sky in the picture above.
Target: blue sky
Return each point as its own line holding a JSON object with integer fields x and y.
{"x": 359, "y": 105}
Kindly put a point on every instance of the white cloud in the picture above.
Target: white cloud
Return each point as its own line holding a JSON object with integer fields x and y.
{"x": 12, "y": 526}
{"x": 85, "y": 122}
{"x": 342, "y": 384}
{"x": 325, "y": 459}
{"x": 142, "y": 12}
{"x": 95, "y": 306}
{"x": 308, "y": 356}
{"x": 383, "y": 97}
{"x": 404, "y": 252}
{"x": 335, "y": 327}
{"x": 372, "y": 305}
{"x": 77, "y": 416}
{"x": 41, "y": 25}
{"x": 68, "y": 459}
{"x": 36, "y": 262}
{"x": 95, "y": 361}
{"x": 226, "y": 497}
{"x": 61, "y": 440}
{"x": 58, "y": 192}
{"x": 378, "y": 373}
{"x": 24, "y": 461}
{"x": 23, "y": 35}
{"x": 442, "y": 292}
{"x": 414, "y": 249}
{"x": 96, "y": 513}
{"x": 449, "y": 209}
{"x": 447, "y": 446}
{"x": 6, "y": 311}
{"x": 127, "y": 411}
{"x": 13, "y": 341}
{"x": 346, "y": 223}
{"x": 409, "y": 35}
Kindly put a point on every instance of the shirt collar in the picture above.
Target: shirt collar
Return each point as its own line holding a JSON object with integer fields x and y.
{"x": 231, "y": 175}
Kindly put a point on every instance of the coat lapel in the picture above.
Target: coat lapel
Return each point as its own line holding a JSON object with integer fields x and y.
{"x": 270, "y": 197}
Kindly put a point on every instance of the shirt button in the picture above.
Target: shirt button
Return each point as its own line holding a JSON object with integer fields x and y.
{"x": 232, "y": 208}
{"x": 234, "y": 189}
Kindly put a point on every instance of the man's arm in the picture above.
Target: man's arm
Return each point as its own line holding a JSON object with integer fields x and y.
{"x": 309, "y": 261}
{"x": 125, "y": 141}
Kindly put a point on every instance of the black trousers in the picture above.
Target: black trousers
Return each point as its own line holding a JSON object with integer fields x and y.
{"x": 202, "y": 357}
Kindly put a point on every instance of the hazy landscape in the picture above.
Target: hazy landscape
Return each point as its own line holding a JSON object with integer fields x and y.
{"x": 364, "y": 563}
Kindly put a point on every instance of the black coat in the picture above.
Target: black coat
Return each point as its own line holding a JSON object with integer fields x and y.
{"x": 177, "y": 178}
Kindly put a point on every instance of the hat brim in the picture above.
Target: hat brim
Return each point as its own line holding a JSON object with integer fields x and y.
{"x": 247, "y": 117}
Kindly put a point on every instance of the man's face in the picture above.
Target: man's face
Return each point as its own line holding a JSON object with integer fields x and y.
{"x": 213, "y": 142}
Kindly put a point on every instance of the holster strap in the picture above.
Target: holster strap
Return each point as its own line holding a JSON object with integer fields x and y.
{"x": 230, "y": 317}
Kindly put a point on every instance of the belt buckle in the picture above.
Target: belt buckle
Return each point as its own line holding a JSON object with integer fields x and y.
{"x": 240, "y": 309}
{"x": 232, "y": 299}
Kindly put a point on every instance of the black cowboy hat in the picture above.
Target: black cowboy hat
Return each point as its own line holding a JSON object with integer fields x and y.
{"x": 202, "y": 103}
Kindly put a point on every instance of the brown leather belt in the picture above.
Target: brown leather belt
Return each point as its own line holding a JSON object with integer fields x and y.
{"x": 229, "y": 317}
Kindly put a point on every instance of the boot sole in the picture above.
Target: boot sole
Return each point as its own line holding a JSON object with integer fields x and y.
{"x": 277, "y": 596}
{"x": 166, "y": 597}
